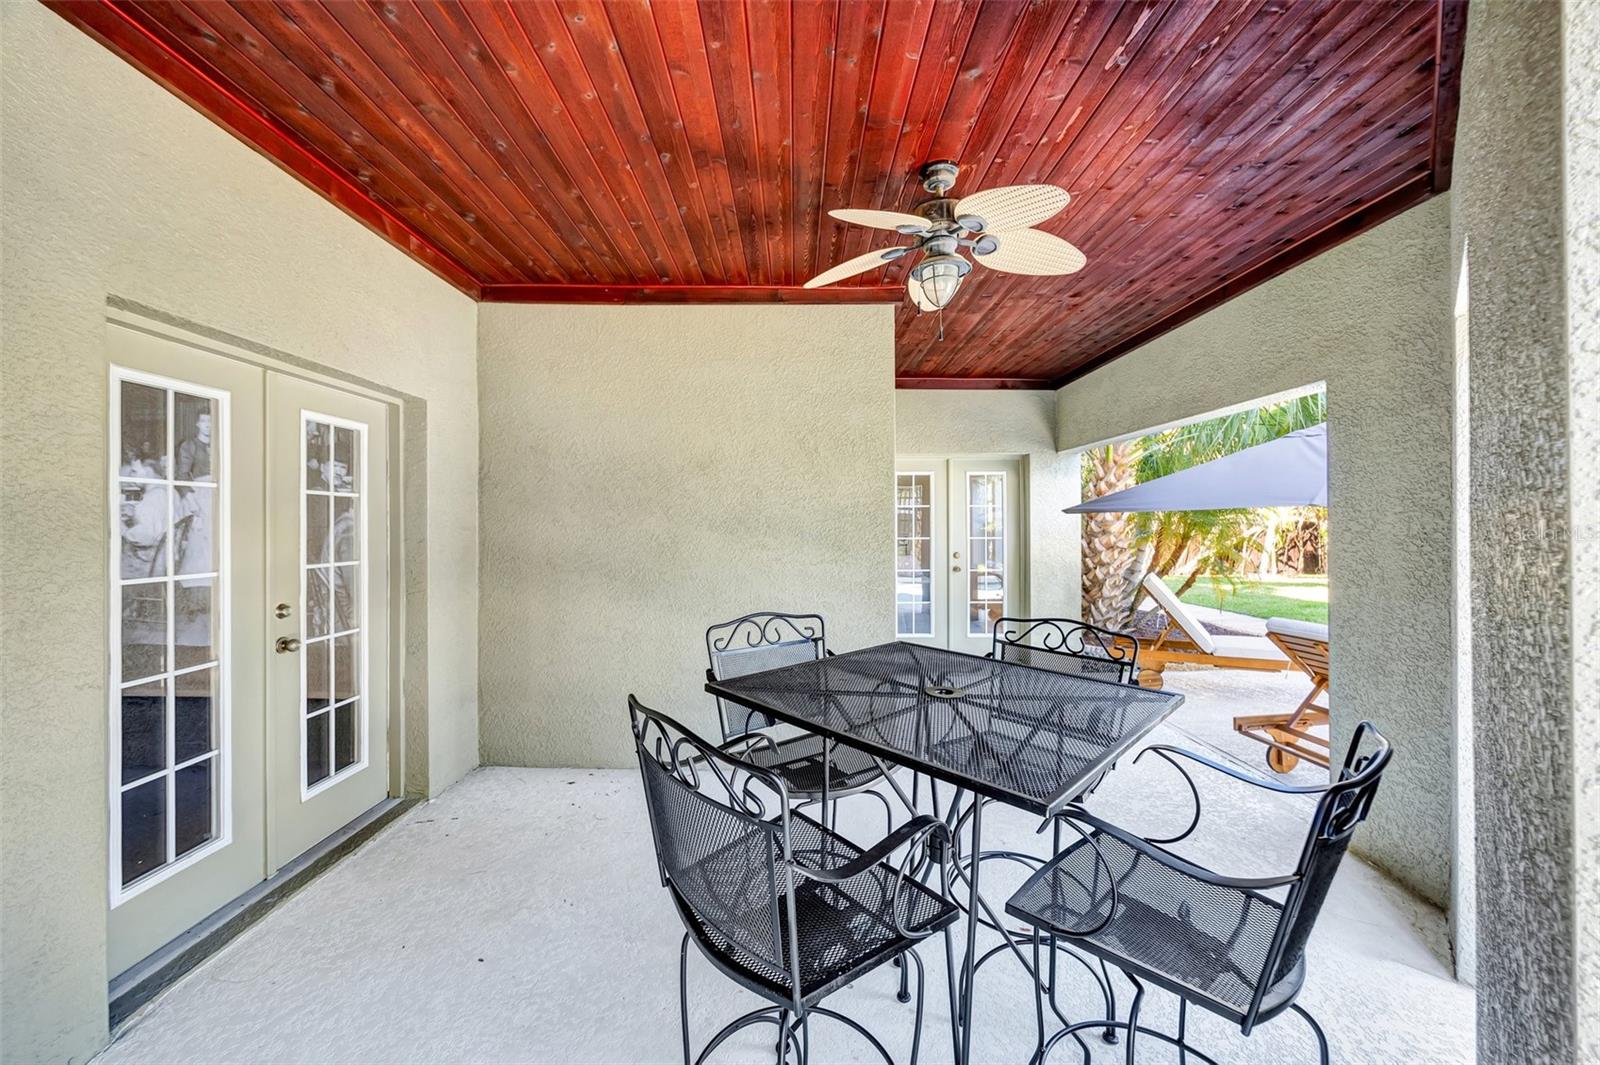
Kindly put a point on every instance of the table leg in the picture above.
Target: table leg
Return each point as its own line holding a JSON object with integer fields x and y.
{"x": 968, "y": 966}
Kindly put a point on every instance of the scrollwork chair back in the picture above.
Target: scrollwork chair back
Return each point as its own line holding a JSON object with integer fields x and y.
{"x": 754, "y": 643}
{"x": 1067, "y": 645}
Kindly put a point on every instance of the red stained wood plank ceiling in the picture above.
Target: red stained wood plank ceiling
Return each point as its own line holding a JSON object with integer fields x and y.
{"x": 628, "y": 151}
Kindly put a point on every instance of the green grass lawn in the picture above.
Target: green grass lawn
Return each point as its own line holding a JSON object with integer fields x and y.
{"x": 1301, "y": 598}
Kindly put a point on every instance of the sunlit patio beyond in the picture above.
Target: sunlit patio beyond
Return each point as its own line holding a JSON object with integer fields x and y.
{"x": 519, "y": 918}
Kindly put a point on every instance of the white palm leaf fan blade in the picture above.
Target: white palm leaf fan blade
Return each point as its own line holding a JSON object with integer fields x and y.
{"x": 1012, "y": 206}
{"x": 857, "y": 216}
{"x": 914, "y": 290}
{"x": 859, "y": 265}
{"x": 1033, "y": 252}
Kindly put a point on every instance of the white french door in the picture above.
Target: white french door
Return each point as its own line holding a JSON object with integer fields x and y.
{"x": 327, "y": 575}
{"x": 248, "y": 587}
{"x": 959, "y": 550}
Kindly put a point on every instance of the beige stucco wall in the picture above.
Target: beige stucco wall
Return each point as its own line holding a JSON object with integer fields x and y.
{"x": 956, "y": 423}
{"x": 113, "y": 187}
{"x": 1373, "y": 319}
{"x": 1527, "y": 210}
{"x": 647, "y": 471}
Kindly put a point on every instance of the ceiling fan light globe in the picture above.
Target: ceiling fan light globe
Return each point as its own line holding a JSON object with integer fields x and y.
{"x": 938, "y": 277}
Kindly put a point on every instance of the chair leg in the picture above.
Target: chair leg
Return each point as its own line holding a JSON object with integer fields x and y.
{"x": 922, "y": 979}
{"x": 904, "y": 994}
{"x": 683, "y": 995}
{"x": 1110, "y": 1034}
{"x": 1133, "y": 1016}
{"x": 1316, "y": 1030}
{"x": 1038, "y": 997}
{"x": 783, "y": 1037}
{"x": 1183, "y": 1025}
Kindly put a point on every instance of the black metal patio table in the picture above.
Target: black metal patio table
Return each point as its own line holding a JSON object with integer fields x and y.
{"x": 1032, "y": 738}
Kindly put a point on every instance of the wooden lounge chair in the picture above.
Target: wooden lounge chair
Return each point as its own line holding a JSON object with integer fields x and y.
{"x": 1186, "y": 640}
{"x": 1287, "y": 736}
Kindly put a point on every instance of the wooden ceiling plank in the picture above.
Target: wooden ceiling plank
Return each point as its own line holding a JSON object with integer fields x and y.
{"x": 517, "y": 183}
{"x": 1131, "y": 27}
{"x": 1127, "y": 232}
{"x": 1152, "y": 118}
{"x": 1006, "y": 163}
{"x": 811, "y": 58}
{"x": 900, "y": 43}
{"x": 323, "y": 125}
{"x": 1262, "y": 243}
{"x": 1219, "y": 156}
{"x": 1276, "y": 182}
{"x": 1028, "y": 76}
{"x": 728, "y": 60}
{"x": 856, "y": 40}
{"x": 945, "y": 42}
{"x": 677, "y": 26}
{"x": 621, "y": 169}
{"x": 768, "y": 31}
{"x": 466, "y": 71}
{"x": 645, "y": 65}
{"x": 383, "y": 113}
{"x": 689, "y": 235}
{"x": 1374, "y": 213}
{"x": 984, "y": 48}
{"x": 1450, "y": 46}
{"x": 532, "y": 106}
{"x": 397, "y": 104}
{"x": 178, "y": 71}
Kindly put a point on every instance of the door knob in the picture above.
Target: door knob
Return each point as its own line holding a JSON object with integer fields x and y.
{"x": 286, "y": 645}
{"x": 282, "y": 610}
{"x": 955, "y": 569}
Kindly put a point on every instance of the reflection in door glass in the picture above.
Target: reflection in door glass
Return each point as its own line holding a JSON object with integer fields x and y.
{"x": 332, "y": 491}
{"x": 171, "y": 601}
{"x": 913, "y": 554}
{"x": 986, "y": 582}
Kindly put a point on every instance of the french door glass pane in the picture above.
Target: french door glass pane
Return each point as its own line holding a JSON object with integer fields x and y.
{"x": 170, "y": 599}
{"x": 332, "y": 493}
{"x": 194, "y": 790}
{"x": 913, "y": 554}
{"x": 986, "y": 584}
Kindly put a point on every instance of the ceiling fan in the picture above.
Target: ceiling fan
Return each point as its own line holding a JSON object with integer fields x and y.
{"x": 993, "y": 224}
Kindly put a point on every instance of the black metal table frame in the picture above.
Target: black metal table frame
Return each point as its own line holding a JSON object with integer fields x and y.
{"x": 980, "y": 790}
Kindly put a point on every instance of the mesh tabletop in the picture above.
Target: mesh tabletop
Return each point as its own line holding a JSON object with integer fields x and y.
{"x": 1034, "y": 738}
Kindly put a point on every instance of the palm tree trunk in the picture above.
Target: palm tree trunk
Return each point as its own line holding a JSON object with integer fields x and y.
{"x": 1108, "y": 540}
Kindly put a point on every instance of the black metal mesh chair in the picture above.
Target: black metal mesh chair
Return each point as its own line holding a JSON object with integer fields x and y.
{"x": 1219, "y": 942}
{"x": 1067, "y": 646}
{"x": 772, "y": 898}
{"x": 814, "y": 769}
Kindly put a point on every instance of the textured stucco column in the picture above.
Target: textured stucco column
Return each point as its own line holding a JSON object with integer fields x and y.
{"x": 1527, "y": 173}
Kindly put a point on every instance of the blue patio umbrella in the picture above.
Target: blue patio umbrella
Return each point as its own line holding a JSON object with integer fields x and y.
{"x": 1291, "y": 471}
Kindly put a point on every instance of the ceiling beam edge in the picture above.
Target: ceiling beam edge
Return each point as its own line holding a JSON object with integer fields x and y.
{"x": 642, "y": 294}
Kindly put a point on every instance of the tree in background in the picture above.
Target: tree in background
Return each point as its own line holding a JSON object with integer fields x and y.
{"x": 1109, "y": 548}
{"x": 1120, "y": 549}
{"x": 1217, "y": 540}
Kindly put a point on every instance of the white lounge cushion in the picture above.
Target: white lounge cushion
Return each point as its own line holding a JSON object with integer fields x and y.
{"x": 1180, "y": 614}
{"x": 1305, "y": 630}
{"x": 1255, "y": 647}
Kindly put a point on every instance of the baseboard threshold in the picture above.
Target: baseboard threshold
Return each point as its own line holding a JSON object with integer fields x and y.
{"x": 146, "y": 979}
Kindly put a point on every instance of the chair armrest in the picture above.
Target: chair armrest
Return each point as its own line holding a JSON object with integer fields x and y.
{"x": 917, "y": 826}
{"x": 1172, "y": 861}
{"x": 1170, "y": 755}
{"x": 1166, "y": 751}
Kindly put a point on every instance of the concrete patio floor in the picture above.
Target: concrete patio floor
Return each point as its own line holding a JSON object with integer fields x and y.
{"x": 519, "y": 918}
